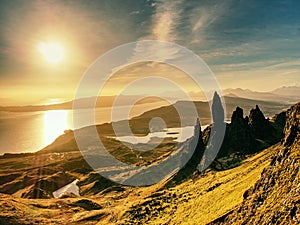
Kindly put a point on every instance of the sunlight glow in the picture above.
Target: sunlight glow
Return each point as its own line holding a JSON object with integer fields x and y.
{"x": 53, "y": 101}
{"x": 55, "y": 123}
{"x": 52, "y": 52}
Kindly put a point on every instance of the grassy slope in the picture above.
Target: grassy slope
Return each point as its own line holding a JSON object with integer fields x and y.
{"x": 207, "y": 197}
{"x": 202, "y": 199}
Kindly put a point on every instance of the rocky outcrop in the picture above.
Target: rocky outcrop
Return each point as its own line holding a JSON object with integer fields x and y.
{"x": 275, "y": 198}
{"x": 259, "y": 125}
{"x": 292, "y": 127}
{"x": 250, "y": 134}
{"x": 278, "y": 124}
{"x": 239, "y": 137}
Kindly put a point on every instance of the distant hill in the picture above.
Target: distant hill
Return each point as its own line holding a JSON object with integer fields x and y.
{"x": 103, "y": 101}
{"x": 284, "y": 94}
{"x": 293, "y": 91}
{"x": 140, "y": 124}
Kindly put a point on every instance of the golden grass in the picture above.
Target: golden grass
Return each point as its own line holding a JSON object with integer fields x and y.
{"x": 197, "y": 201}
{"x": 207, "y": 198}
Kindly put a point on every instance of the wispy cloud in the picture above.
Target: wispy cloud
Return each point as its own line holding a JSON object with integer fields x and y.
{"x": 203, "y": 16}
{"x": 165, "y": 19}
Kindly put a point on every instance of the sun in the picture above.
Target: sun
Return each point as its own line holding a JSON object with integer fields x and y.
{"x": 51, "y": 51}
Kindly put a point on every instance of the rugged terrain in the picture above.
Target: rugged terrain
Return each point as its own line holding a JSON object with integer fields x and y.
{"x": 275, "y": 197}
{"x": 247, "y": 185}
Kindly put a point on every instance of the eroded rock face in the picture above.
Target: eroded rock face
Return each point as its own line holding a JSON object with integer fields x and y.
{"x": 274, "y": 199}
{"x": 292, "y": 127}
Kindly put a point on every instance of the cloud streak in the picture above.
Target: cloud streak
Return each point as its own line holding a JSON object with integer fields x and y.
{"x": 165, "y": 19}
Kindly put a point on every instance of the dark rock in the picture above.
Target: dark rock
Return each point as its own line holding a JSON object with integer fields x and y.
{"x": 246, "y": 194}
{"x": 292, "y": 127}
{"x": 87, "y": 204}
{"x": 241, "y": 138}
{"x": 248, "y": 135}
{"x": 217, "y": 109}
{"x": 238, "y": 137}
{"x": 260, "y": 126}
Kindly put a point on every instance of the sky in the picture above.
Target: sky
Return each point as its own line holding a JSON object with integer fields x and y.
{"x": 247, "y": 44}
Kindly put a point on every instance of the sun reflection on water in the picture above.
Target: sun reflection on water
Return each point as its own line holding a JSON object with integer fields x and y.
{"x": 55, "y": 122}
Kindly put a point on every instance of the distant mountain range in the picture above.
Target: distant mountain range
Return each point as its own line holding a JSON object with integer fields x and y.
{"x": 284, "y": 94}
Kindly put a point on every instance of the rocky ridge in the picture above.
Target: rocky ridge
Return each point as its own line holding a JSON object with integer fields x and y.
{"x": 275, "y": 198}
{"x": 249, "y": 134}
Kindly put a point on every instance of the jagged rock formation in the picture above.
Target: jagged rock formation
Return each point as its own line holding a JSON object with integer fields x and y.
{"x": 275, "y": 198}
{"x": 239, "y": 137}
{"x": 247, "y": 135}
{"x": 259, "y": 125}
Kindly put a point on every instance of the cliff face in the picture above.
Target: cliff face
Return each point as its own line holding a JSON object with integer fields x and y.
{"x": 275, "y": 198}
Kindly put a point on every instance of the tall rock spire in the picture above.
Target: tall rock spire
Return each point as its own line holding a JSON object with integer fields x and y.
{"x": 217, "y": 109}
{"x": 216, "y": 134}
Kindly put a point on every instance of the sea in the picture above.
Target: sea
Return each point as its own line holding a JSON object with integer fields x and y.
{"x": 22, "y": 132}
